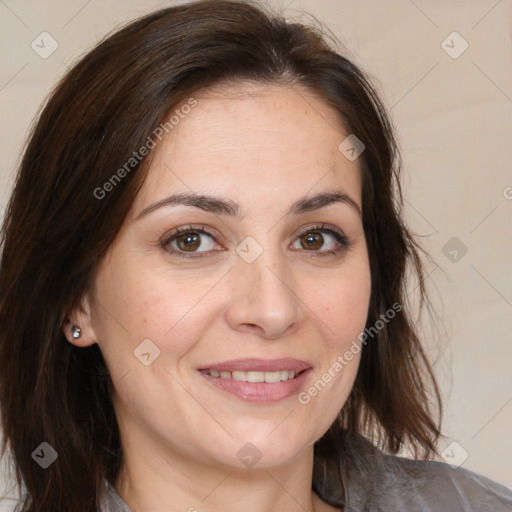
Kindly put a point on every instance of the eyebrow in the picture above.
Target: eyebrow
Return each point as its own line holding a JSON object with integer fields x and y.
{"x": 221, "y": 206}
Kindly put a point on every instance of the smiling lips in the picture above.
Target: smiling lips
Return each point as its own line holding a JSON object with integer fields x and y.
{"x": 254, "y": 376}
{"x": 258, "y": 380}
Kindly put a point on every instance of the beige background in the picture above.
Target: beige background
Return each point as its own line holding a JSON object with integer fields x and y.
{"x": 454, "y": 119}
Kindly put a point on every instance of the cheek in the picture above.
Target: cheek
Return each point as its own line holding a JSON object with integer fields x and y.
{"x": 342, "y": 313}
{"x": 342, "y": 306}
{"x": 136, "y": 304}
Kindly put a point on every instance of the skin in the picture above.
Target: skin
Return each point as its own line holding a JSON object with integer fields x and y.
{"x": 263, "y": 147}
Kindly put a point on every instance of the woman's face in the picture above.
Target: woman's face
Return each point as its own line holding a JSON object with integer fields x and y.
{"x": 258, "y": 284}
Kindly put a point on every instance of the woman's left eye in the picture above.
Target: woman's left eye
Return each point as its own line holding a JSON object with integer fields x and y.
{"x": 316, "y": 238}
{"x": 190, "y": 242}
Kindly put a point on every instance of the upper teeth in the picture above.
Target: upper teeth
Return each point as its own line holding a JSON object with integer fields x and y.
{"x": 255, "y": 376}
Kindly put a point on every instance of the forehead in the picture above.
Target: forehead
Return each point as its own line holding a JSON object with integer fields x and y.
{"x": 248, "y": 139}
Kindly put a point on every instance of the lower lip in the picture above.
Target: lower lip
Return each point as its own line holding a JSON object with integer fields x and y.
{"x": 259, "y": 391}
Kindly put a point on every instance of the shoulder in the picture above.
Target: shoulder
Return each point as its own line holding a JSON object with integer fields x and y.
{"x": 110, "y": 501}
{"x": 397, "y": 483}
{"x": 437, "y": 486}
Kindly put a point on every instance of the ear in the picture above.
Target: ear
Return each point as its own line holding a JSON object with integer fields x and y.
{"x": 80, "y": 317}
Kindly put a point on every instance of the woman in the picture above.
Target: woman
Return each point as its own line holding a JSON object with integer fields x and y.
{"x": 202, "y": 284}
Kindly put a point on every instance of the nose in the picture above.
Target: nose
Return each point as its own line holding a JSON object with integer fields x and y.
{"x": 263, "y": 298}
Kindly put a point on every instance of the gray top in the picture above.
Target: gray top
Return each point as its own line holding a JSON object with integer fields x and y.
{"x": 396, "y": 484}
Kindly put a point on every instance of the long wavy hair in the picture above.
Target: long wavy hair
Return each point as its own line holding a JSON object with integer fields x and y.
{"x": 56, "y": 231}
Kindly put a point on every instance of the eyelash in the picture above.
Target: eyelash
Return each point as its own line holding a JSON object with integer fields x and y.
{"x": 343, "y": 241}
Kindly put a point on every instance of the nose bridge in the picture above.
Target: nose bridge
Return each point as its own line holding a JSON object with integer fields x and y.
{"x": 270, "y": 275}
{"x": 267, "y": 271}
{"x": 263, "y": 288}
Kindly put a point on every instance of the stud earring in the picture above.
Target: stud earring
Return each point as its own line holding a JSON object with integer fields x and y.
{"x": 76, "y": 332}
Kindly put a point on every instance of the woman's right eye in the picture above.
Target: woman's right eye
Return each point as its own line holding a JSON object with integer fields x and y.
{"x": 186, "y": 242}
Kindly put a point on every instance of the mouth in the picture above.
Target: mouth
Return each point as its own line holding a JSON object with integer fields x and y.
{"x": 258, "y": 380}
{"x": 255, "y": 376}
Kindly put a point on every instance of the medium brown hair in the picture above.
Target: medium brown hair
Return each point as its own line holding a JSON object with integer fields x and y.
{"x": 56, "y": 232}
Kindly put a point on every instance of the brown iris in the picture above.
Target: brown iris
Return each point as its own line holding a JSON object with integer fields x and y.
{"x": 314, "y": 240}
{"x": 189, "y": 241}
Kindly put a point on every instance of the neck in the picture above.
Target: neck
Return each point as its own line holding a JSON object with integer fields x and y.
{"x": 151, "y": 481}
